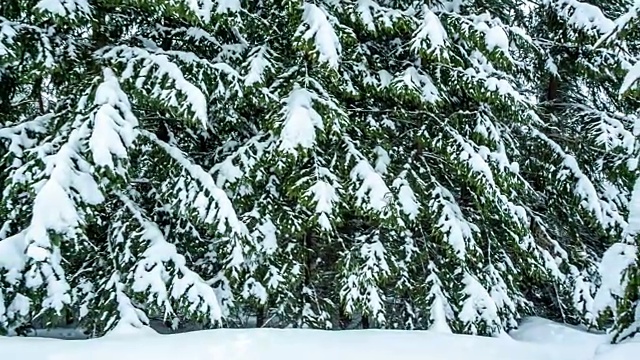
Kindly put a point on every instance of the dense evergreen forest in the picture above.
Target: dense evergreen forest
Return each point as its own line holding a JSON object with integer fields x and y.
{"x": 401, "y": 164}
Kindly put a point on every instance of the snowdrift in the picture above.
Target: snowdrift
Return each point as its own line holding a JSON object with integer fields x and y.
{"x": 536, "y": 340}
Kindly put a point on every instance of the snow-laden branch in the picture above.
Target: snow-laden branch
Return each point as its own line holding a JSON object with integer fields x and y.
{"x": 372, "y": 186}
{"x": 113, "y": 123}
{"x": 630, "y": 78}
{"x": 582, "y": 15}
{"x": 324, "y": 36}
{"x": 440, "y": 310}
{"x": 430, "y": 33}
{"x": 478, "y": 308}
{"x": 129, "y": 315}
{"x": 406, "y": 196}
{"x": 65, "y": 8}
{"x": 221, "y": 208}
{"x": 10, "y": 29}
{"x": 67, "y": 183}
{"x": 584, "y": 187}
{"x": 8, "y": 32}
{"x": 324, "y": 194}
{"x": 151, "y": 274}
{"x": 17, "y": 135}
{"x": 258, "y": 63}
{"x": 196, "y": 101}
{"x": 361, "y": 288}
{"x": 373, "y": 15}
{"x": 300, "y": 120}
{"x": 457, "y": 231}
{"x": 414, "y": 79}
{"x": 613, "y": 265}
{"x": 243, "y": 160}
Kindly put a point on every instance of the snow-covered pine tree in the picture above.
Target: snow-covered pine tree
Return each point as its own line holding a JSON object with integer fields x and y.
{"x": 618, "y": 297}
{"x": 589, "y": 136}
{"x": 103, "y": 216}
{"x": 389, "y": 154}
{"x": 381, "y": 157}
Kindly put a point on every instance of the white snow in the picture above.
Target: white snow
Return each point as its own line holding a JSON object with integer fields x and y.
{"x": 432, "y": 30}
{"x": 385, "y": 78}
{"x": 269, "y": 233}
{"x": 196, "y": 101}
{"x": 478, "y": 307}
{"x": 324, "y": 195}
{"x": 416, "y": 80}
{"x": 323, "y": 34}
{"x": 495, "y": 37}
{"x": 406, "y": 196}
{"x": 113, "y": 122}
{"x": 614, "y": 261}
{"x": 373, "y": 186}
{"x": 457, "y": 230}
{"x": 228, "y": 6}
{"x": 538, "y": 339}
{"x": 300, "y": 122}
{"x": 366, "y": 16}
{"x": 633, "y": 221}
{"x": 64, "y": 7}
{"x": 583, "y": 15}
{"x": 258, "y": 63}
{"x": 441, "y": 311}
{"x": 540, "y": 330}
{"x": 626, "y": 351}
{"x": 12, "y": 257}
{"x": 573, "y": 340}
{"x": 383, "y": 160}
{"x": 632, "y": 76}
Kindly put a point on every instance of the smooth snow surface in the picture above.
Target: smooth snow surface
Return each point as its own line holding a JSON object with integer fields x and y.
{"x": 543, "y": 331}
{"x": 537, "y": 339}
{"x": 574, "y": 340}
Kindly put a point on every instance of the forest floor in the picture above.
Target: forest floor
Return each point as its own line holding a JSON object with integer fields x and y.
{"x": 536, "y": 339}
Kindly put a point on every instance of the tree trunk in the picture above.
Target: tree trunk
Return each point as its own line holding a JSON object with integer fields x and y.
{"x": 552, "y": 89}
{"x": 365, "y": 322}
{"x": 260, "y": 316}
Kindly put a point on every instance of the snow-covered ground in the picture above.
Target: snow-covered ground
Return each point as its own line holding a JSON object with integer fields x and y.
{"x": 537, "y": 339}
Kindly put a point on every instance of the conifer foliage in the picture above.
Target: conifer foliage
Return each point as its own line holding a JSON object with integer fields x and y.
{"x": 618, "y": 297}
{"x": 323, "y": 164}
{"x": 579, "y": 101}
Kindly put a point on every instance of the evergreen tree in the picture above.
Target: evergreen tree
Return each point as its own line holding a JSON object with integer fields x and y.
{"x": 589, "y": 134}
{"x": 96, "y": 207}
{"x": 312, "y": 163}
{"x": 431, "y": 130}
{"x": 618, "y": 298}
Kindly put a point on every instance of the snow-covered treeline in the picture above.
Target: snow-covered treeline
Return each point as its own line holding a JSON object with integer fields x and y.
{"x": 451, "y": 165}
